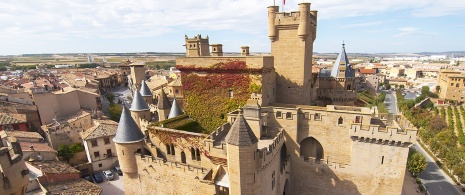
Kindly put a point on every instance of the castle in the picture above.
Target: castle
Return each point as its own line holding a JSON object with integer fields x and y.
{"x": 277, "y": 142}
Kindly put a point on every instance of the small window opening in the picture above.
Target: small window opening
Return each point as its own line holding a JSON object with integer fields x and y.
{"x": 382, "y": 160}
{"x": 340, "y": 120}
{"x": 279, "y": 114}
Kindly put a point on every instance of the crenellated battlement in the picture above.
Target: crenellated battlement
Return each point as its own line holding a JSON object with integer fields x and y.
{"x": 268, "y": 153}
{"x": 393, "y": 133}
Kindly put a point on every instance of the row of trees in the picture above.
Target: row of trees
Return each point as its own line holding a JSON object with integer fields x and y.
{"x": 436, "y": 133}
{"x": 458, "y": 125}
{"x": 65, "y": 152}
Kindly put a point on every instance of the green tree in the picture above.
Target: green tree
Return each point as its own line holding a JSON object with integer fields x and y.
{"x": 425, "y": 90}
{"x": 76, "y": 147}
{"x": 438, "y": 88}
{"x": 115, "y": 112}
{"x": 388, "y": 86}
{"x": 110, "y": 97}
{"x": 64, "y": 152}
{"x": 416, "y": 162}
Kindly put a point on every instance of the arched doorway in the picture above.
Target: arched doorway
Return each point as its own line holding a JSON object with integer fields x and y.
{"x": 283, "y": 156}
{"x": 311, "y": 148}
{"x": 183, "y": 157}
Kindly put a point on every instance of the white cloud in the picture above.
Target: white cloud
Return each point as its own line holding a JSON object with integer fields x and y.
{"x": 407, "y": 31}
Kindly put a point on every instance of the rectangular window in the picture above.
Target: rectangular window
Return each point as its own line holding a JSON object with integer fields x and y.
{"x": 317, "y": 116}
{"x": 288, "y": 115}
{"x": 279, "y": 114}
{"x": 382, "y": 160}
{"x": 109, "y": 154}
{"x": 96, "y": 154}
{"x": 100, "y": 165}
{"x": 93, "y": 143}
{"x": 358, "y": 119}
{"x": 106, "y": 140}
{"x": 457, "y": 85}
{"x": 231, "y": 93}
{"x": 452, "y": 84}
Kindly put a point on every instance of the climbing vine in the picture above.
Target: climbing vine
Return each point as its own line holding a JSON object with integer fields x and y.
{"x": 212, "y": 92}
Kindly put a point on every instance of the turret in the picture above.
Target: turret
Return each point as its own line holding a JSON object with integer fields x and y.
{"x": 253, "y": 116}
{"x": 175, "y": 110}
{"x": 137, "y": 74}
{"x": 139, "y": 109}
{"x": 146, "y": 93}
{"x": 271, "y": 17}
{"x": 241, "y": 153}
{"x": 128, "y": 140}
{"x": 304, "y": 9}
{"x": 163, "y": 105}
{"x": 245, "y": 51}
{"x": 217, "y": 50}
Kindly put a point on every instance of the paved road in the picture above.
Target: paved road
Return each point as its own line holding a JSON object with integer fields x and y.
{"x": 434, "y": 179}
{"x": 391, "y": 102}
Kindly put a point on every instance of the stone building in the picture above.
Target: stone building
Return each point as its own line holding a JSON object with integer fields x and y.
{"x": 337, "y": 85}
{"x": 276, "y": 143}
{"x": 13, "y": 171}
{"x": 451, "y": 85}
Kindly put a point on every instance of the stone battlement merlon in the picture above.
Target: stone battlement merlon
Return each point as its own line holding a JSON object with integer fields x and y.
{"x": 390, "y": 133}
{"x": 162, "y": 162}
{"x": 266, "y": 154}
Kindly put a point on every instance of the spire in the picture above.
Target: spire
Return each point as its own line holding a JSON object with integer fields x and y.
{"x": 342, "y": 64}
{"x": 240, "y": 133}
{"x": 128, "y": 131}
{"x": 145, "y": 90}
{"x": 175, "y": 110}
{"x": 163, "y": 101}
{"x": 138, "y": 103}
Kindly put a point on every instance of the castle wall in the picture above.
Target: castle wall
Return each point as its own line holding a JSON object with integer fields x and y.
{"x": 167, "y": 178}
{"x": 251, "y": 61}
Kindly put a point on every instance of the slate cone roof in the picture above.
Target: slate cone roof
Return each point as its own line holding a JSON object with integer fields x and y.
{"x": 128, "y": 131}
{"x": 175, "y": 110}
{"x": 240, "y": 133}
{"x": 138, "y": 103}
{"x": 163, "y": 101}
{"x": 144, "y": 89}
{"x": 342, "y": 61}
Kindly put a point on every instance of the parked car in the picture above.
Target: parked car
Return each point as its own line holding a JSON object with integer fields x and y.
{"x": 98, "y": 178}
{"x": 88, "y": 178}
{"x": 117, "y": 170}
{"x": 109, "y": 175}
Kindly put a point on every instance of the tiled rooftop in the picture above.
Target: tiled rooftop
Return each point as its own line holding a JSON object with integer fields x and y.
{"x": 6, "y": 119}
{"x": 54, "y": 167}
{"x": 77, "y": 186}
{"x": 22, "y": 134}
{"x": 39, "y": 147}
{"x": 102, "y": 128}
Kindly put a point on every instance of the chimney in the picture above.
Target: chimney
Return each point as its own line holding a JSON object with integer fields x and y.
{"x": 245, "y": 51}
{"x": 217, "y": 50}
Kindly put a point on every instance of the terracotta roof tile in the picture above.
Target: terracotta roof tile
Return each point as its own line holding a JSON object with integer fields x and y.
{"x": 6, "y": 119}
{"x": 77, "y": 186}
{"x": 40, "y": 147}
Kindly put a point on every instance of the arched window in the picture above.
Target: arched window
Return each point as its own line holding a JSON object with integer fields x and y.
{"x": 349, "y": 87}
{"x": 172, "y": 150}
{"x": 311, "y": 148}
{"x": 197, "y": 153}
{"x": 183, "y": 157}
{"x": 193, "y": 153}
{"x": 340, "y": 120}
{"x": 168, "y": 149}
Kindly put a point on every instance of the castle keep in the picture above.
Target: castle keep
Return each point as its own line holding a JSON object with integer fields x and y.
{"x": 275, "y": 142}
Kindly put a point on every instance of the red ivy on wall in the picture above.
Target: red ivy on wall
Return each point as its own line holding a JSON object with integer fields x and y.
{"x": 207, "y": 91}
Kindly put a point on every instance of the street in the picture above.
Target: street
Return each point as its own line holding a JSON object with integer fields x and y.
{"x": 391, "y": 102}
{"x": 434, "y": 179}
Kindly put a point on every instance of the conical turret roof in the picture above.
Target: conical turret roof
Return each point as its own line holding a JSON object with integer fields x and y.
{"x": 240, "y": 133}
{"x": 128, "y": 131}
{"x": 138, "y": 103}
{"x": 175, "y": 110}
{"x": 145, "y": 90}
{"x": 163, "y": 101}
{"x": 342, "y": 63}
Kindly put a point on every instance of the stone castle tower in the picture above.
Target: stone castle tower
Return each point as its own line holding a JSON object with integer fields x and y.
{"x": 241, "y": 147}
{"x": 292, "y": 35}
{"x": 146, "y": 93}
{"x": 14, "y": 175}
{"x": 137, "y": 75}
{"x": 140, "y": 109}
{"x": 128, "y": 139}
{"x": 197, "y": 46}
{"x": 163, "y": 105}
{"x": 337, "y": 86}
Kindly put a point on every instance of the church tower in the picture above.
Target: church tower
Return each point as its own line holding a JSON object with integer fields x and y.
{"x": 241, "y": 154}
{"x": 140, "y": 109}
{"x": 292, "y": 36}
{"x": 128, "y": 140}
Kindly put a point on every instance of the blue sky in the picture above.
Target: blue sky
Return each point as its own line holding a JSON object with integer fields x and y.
{"x": 85, "y": 26}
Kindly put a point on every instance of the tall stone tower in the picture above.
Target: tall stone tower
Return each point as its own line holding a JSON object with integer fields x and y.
{"x": 241, "y": 154}
{"x": 128, "y": 140}
{"x": 137, "y": 74}
{"x": 292, "y": 36}
{"x": 163, "y": 105}
{"x": 197, "y": 46}
{"x": 140, "y": 109}
{"x": 146, "y": 93}
{"x": 13, "y": 171}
